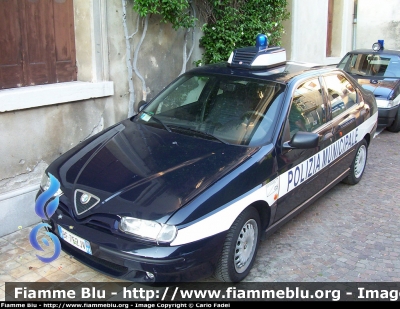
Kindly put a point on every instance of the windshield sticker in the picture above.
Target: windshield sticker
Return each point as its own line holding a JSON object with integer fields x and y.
{"x": 272, "y": 188}
{"x": 145, "y": 117}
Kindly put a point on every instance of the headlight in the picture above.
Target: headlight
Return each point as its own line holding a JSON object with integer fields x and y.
{"x": 45, "y": 184}
{"x": 385, "y": 103}
{"x": 148, "y": 229}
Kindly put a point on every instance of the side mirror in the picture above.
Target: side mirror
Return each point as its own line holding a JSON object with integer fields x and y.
{"x": 140, "y": 106}
{"x": 302, "y": 140}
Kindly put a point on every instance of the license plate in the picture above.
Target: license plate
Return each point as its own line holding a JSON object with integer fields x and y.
{"x": 78, "y": 242}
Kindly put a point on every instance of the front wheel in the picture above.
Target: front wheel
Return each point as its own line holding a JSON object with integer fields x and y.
{"x": 395, "y": 126}
{"x": 240, "y": 247}
{"x": 358, "y": 166}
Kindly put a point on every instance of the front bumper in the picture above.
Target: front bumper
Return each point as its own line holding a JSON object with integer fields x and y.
{"x": 386, "y": 116}
{"x": 126, "y": 258}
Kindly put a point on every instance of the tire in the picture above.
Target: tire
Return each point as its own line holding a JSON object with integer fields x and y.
{"x": 358, "y": 166}
{"x": 395, "y": 126}
{"x": 240, "y": 247}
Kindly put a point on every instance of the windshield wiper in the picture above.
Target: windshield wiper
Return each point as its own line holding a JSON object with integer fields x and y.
{"x": 201, "y": 133}
{"x": 158, "y": 120}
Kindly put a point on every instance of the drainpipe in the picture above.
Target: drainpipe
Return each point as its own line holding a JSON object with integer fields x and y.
{"x": 354, "y": 25}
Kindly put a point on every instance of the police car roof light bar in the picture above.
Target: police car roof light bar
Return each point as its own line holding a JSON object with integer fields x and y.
{"x": 259, "y": 56}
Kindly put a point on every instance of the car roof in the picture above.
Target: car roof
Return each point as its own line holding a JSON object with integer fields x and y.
{"x": 265, "y": 62}
{"x": 379, "y": 52}
{"x": 281, "y": 74}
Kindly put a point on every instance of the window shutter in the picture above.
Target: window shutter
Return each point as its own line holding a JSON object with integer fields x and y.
{"x": 11, "y": 67}
{"x": 64, "y": 41}
{"x": 38, "y": 41}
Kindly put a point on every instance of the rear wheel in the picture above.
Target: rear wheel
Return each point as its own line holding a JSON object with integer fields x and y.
{"x": 358, "y": 166}
{"x": 240, "y": 247}
{"x": 395, "y": 126}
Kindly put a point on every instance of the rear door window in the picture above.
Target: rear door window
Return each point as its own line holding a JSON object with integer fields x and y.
{"x": 307, "y": 111}
{"x": 341, "y": 94}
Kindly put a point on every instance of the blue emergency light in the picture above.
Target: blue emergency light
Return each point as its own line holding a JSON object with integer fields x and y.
{"x": 261, "y": 42}
{"x": 378, "y": 45}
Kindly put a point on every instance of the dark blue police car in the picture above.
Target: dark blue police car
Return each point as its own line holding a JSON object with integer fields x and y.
{"x": 378, "y": 70}
{"x": 223, "y": 156}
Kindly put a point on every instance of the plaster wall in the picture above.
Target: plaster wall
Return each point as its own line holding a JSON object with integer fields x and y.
{"x": 378, "y": 21}
{"x": 308, "y": 30}
{"x": 159, "y": 56}
{"x": 33, "y": 137}
{"x": 305, "y": 35}
{"x": 83, "y": 22}
{"x": 286, "y": 40}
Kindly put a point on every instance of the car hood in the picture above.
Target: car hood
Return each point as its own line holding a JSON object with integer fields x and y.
{"x": 142, "y": 171}
{"x": 382, "y": 89}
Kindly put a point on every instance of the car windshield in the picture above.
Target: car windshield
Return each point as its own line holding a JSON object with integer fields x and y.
{"x": 233, "y": 110}
{"x": 371, "y": 65}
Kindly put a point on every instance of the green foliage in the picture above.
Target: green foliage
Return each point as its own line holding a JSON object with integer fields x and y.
{"x": 236, "y": 23}
{"x": 176, "y": 12}
{"x": 230, "y": 23}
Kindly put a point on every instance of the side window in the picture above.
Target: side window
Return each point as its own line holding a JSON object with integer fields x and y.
{"x": 341, "y": 93}
{"x": 307, "y": 111}
{"x": 393, "y": 69}
{"x": 342, "y": 63}
{"x": 359, "y": 64}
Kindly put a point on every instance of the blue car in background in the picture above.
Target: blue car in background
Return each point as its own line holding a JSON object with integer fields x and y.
{"x": 378, "y": 70}
{"x": 222, "y": 157}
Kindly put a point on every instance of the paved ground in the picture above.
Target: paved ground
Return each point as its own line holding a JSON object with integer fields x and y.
{"x": 350, "y": 235}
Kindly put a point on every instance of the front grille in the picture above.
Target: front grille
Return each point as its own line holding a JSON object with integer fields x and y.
{"x": 99, "y": 226}
{"x": 99, "y": 264}
{"x": 109, "y": 265}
